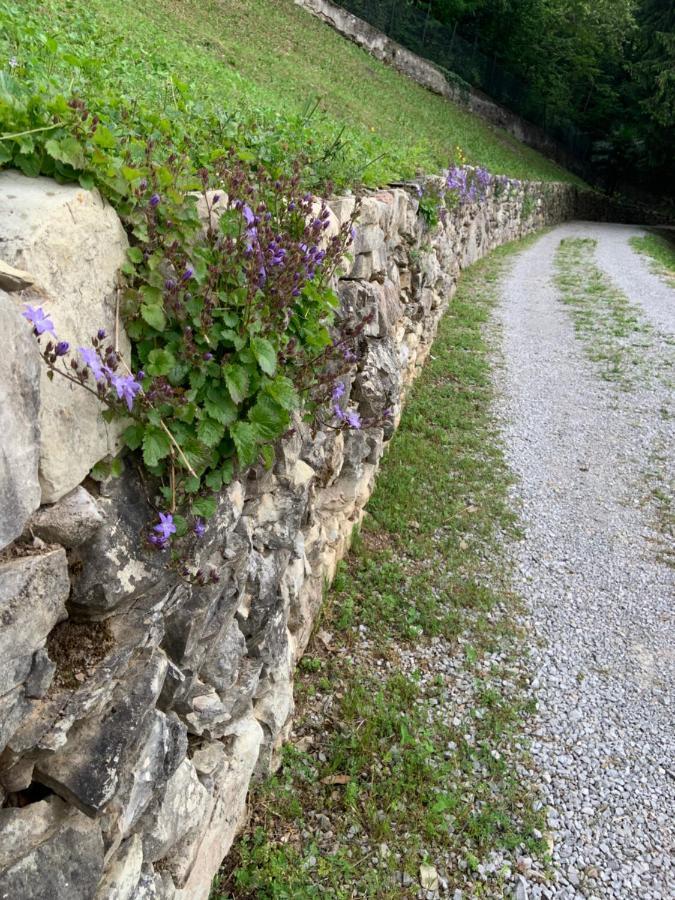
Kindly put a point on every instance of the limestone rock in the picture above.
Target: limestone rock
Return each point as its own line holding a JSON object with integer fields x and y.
{"x": 70, "y": 521}
{"x": 127, "y": 737}
{"x": 12, "y": 279}
{"x": 73, "y": 244}
{"x": 19, "y": 428}
{"x": 342, "y": 208}
{"x": 210, "y": 207}
{"x": 180, "y": 810}
{"x": 115, "y": 565}
{"x": 194, "y": 867}
{"x": 33, "y": 592}
{"x": 122, "y": 875}
{"x": 50, "y": 850}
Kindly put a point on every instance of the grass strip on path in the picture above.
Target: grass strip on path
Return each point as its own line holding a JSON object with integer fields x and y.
{"x": 614, "y": 333}
{"x": 632, "y": 354}
{"x": 408, "y": 750}
{"x": 661, "y": 251}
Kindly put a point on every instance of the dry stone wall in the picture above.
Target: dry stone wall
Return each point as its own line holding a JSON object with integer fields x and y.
{"x": 136, "y": 708}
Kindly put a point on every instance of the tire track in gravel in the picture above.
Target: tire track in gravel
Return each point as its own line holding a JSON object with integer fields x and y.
{"x": 600, "y": 599}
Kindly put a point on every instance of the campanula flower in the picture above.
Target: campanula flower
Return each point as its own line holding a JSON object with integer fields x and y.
{"x": 165, "y": 528}
{"x": 39, "y": 320}
{"x": 93, "y": 361}
{"x": 127, "y": 387}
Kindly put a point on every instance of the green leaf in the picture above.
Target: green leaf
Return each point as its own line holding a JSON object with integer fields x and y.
{"x": 191, "y": 484}
{"x": 181, "y": 525}
{"x": 220, "y": 407}
{"x": 67, "y": 150}
{"x": 204, "y": 507}
{"x": 100, "y": 471}
{"x": 267, "y": 453}
{"x": 135, "y": 254}
{"x": 270, "y": 418}
{"x": 156, "y": 445}
{"x": 103, "y": 137}
{"x": 283, "y": 391}
{"x": 133, "y": 435}
{"x": 265, "y": 354}
{"x": 214, "y": 480}
{"x": 154, "y": 316}
{"x": 245, "y": 437}
{"x": 160, "y": 362}
{"x": 210, "y": 432}
{"x": 227, "y": 471}
{"x": 236, "y": 379}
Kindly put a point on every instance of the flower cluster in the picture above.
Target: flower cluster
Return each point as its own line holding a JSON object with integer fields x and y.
{"x": 100, "y": 362}
{"x": 351, "y": 417}
{"x": 233, "y": 327}
{"x": 469, "y": 185}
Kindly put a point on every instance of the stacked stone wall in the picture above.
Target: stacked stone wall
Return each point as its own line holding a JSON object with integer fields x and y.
{"x": 136, "y": 708}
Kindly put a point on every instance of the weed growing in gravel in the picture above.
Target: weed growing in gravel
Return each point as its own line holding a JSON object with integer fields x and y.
{"x": 661, "y": 251}
{"x": 629, "y": 352}
{"x": 614, "y": 334}
{"x": 408, "y": 745}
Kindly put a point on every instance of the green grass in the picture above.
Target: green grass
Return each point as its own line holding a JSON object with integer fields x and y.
{"x": 627, "y": 351}
{"x": 398, "y": 778}
{"x": 614, "y": 333}
{"x": 273, "y": 74}
{"x": 661, "y": 250}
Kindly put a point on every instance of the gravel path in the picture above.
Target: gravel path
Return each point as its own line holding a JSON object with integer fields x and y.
{"x": 588, "y": 566}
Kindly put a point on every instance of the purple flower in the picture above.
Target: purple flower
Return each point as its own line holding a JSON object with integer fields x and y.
{"x": 248, "y": 215}
{"x": 143, "y": 183}
{"x": 200, "y": 528}
{"x": 127, "y": 387}
{"x": 62, "y": 348}
{"x": 92, "y": 359}
{"x": 39, "y": 320}
{"x": 208, "y": 356}
{"x": 155, "y": 200}
{"x": 338, "y": 391}
{"x": 188, "y": 273}
{"x": 216, "y": 198}
{"x": 140, "y": 375}
{"x": 419, "y": 190}
{"x": 165, "y": 528}
{"x": 353, "y": 419}
{"x": 100, "y": 334}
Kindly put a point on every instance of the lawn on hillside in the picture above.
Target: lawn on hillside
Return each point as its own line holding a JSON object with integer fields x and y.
{"x": 272, "y": 73}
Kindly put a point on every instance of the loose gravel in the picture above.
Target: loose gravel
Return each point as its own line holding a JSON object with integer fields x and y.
{"x": 589, "y": 566}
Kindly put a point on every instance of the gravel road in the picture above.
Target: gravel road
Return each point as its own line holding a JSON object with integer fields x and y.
{"x": 590, "y": 567}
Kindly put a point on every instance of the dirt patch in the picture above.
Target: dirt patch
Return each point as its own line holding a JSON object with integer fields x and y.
{"x": 18, "y": 550}
{"x": 77, "y": 648}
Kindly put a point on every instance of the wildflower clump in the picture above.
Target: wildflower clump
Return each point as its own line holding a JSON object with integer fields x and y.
{"x": 229, "y": 304}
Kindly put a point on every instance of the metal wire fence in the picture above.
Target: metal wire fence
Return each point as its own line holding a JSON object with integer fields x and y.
{"x": 415, "y": 28}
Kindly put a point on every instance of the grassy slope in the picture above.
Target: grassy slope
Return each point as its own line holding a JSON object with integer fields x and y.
{"x": 426, "y": 762}
{"x": 661, "y": 250}
{"x": 270, "y": 61}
